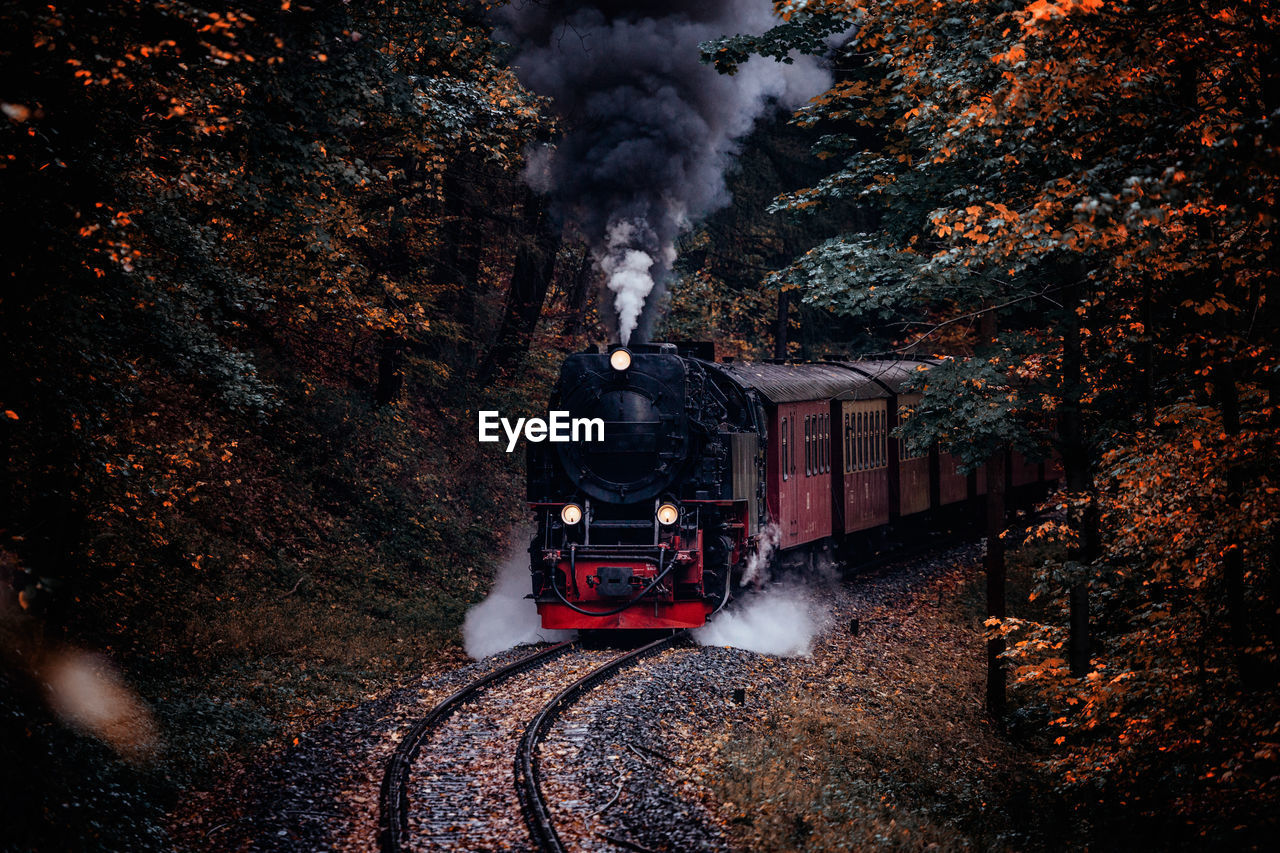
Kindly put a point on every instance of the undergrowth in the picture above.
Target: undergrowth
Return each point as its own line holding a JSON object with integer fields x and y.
{"x": 895, "y": 752}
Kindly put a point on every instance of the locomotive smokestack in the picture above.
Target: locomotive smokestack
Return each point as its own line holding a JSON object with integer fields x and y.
{"x": 649, "y": 129}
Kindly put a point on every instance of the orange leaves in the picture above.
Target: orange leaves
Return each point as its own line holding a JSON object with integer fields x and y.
{"x": 1044, "y": 10}
{"x": 1016, "y": 53}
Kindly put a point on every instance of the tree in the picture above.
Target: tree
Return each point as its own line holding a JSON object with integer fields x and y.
{"x": 1102, "y": 175}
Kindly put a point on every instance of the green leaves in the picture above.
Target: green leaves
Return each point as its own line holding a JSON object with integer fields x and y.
{"x": 802, "y": 32}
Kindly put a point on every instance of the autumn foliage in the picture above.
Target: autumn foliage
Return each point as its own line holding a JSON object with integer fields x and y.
{"x": 256, "y": 270}
{"x": 1080, "y": 196}
{"x": 263, "y": 260}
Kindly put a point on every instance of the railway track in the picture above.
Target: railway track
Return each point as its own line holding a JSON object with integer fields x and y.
{"x": 469, "y": 729}
{"x": 528, "y": 778}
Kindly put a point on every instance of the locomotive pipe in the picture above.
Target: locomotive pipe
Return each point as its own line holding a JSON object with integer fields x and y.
{"x": 662, "y": 573}
{"x": 728, "y": 582}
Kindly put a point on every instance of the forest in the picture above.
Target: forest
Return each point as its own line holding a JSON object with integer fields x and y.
{"x": 265, "y": 261}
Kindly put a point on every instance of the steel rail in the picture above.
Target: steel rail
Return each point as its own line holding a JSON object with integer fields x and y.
{"x": 393, "y": 817}
{"x": 528, "y": 777}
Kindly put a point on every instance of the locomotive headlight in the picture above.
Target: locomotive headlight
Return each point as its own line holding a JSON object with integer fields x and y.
{"x": 571, "y": 514}
{"x": 620, "y": 359}
{"x": 668, "y": 514}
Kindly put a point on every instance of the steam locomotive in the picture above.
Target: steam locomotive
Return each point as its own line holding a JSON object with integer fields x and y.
{"x": 708, "y": 468}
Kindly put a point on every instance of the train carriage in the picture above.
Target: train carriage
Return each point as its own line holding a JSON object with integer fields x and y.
{"x": 953, "y": 486}
{"x": 862, "y": 479}
{"x": 908, "y": 469}
{"x": 1023, "y": 471}
{"x": 797, "y": 400}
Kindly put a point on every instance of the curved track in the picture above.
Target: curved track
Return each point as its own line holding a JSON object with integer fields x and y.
{"x": 528, "y": 779}
{"x": 398, "y": 828}
{"x": 394, "y": 798}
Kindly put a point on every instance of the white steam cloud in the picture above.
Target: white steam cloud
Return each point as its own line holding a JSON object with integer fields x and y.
{"x": 782, "y": 620}
{"x": 628, "y": 277}
{"x": 506, "y": 618}
{"x": 773, "y": 619}
{"x": 757, "y": 571}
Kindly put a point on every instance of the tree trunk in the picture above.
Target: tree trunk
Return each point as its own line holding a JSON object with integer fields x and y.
{"x": 530, "y": 279}
{"x": 1079, "y": 477}
{"x": 457, "y": 265}
{"x": 995, "y": 579}
{"x": 997, "y": 475}
{"x": 781, "y": 325}
{"x": 390, "y": 369}
{"x": 1233, "y": 556}
{"x": 580, "y": 296}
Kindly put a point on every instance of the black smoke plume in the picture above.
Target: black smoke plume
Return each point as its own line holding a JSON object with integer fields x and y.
{"x": 649, "y": 129}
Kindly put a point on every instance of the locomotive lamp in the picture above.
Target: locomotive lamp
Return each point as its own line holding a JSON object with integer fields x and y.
{"x": 620, "y": 359}
{"x": 668, "y": 514}
{"x": 571, "y": 514}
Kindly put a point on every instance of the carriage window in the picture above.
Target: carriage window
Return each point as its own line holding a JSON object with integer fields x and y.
{"x": 853, "y": 442}
{"x": 807, "y": 447}
{"x": 879, "y": 440}
{"x": 866, "y": 441}
{"x": 868, "y": 420}
{"x": 821, "y": 454}
{"x": 884, "y": 436}
{"x": 822, "y": 443}
{"x": 817, "y": 443}
{"x": 793, "y": 453}
{"x": 869, "y": 440}
{"x": 846, "y": 451}
{"x": 783, "y": 456}
{"x": 826, "y": 443}
{"x": 875, "y": 439}
{"x": 854, "y": 451}
{"x": 862, "y": 441}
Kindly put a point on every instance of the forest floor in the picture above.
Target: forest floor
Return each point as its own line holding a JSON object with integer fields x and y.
{"x": 876, "y": 739}
{"x": 880, "y": 739}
